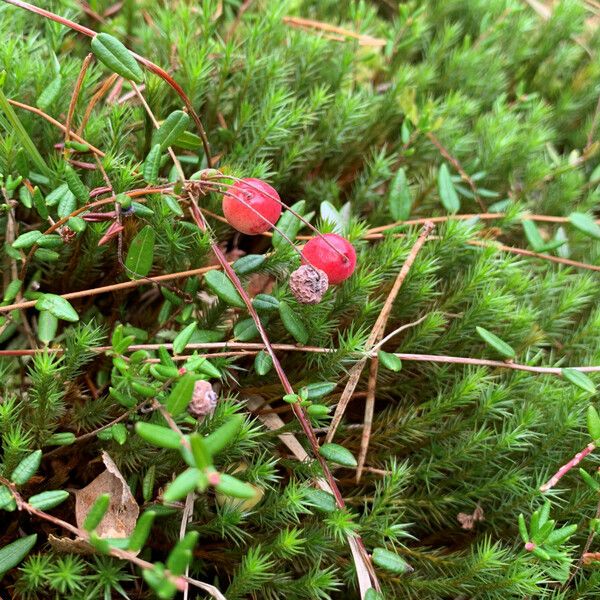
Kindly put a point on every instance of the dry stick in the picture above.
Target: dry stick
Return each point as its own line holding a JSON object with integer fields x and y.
{"x": 238, "y": 19}
{"x": 567, "y": 467}
{"x": 467, "y": 217}
{"x": 251, "y": 347}
{"x": 108, "y": 83}
{"x": 375, "y": 335}
{"x": 298, "y": 410}
{"x": 56, "y": 123}
{"x": 374, "y": 368}
{"x": 117, "y": 553}
{"x": 523, "y": 252}
{"x": 144, "y": 61}
{"x": 363, "y": 39}
{"x": 76, "y": 90}
{"x": 116, "y": 286}
{"x": 463, "y": 174}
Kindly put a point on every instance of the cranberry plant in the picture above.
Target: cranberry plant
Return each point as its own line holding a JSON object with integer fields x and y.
{"x": 299, "y": 299}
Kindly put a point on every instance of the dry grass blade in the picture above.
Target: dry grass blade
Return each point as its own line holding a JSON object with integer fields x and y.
{"x": 274, "y": 422}
{"x": 377, "y": 331}
{"x": 363, "y": 40}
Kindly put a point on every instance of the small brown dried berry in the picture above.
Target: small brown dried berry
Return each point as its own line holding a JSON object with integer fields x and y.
{"x": 308, "y": 284}
{"x": 204, "y": 399}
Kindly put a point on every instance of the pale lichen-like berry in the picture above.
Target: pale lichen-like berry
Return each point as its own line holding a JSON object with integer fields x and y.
{"x": 251, "y": 206}
{"x": 308, "y": 284}
{"x": 336, "y": 265}
{"x": 204, "y": 399}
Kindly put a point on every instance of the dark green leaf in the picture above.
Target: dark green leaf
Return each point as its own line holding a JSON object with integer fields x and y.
{"x": 181, "y": 394}
{"x": 27, "y": 468}
{"x": 141, "y": 253}
{"x": 293, "y": 323}
{"x": 579, "y": 379}
{"x": 245, "y": 330}
{"x": 12, "y": 554}
{"x": 249, "y": 263}
{"x": 183, "y": 338}
{"x": 288, "y": 224}
{"x": 220, "y": 284}
{"x": 320, "y": 389}
{"x": 263, "y": 363}
{"x": 338, "y": 454}
{"x": 58, "y": 306}
{"x": 265, "y": 302}
{"x": 399, "y": 197}
{"x": 170, "y": 130}
{"x": 585, "y": 224}
{"x": 142, "y": 531}
{"x": 448, "y": 194}
{"x": 390, "y": 561}
{"x": 116, "y": 57}
{"x": 152, "y": 164}
{"x": 495, "y": 342}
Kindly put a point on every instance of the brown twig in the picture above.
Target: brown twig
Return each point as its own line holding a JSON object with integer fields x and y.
{"x": 375, "y": 336}
{"x": 362, "y": 39}
{"x": 56, "y": 123}
{"x": 115, "y": 286}
{"x": 77, "y": 89}
{"x": 454, "y": 161}
{"x": 106, "y": 85}
{"x": 567, "y": 467}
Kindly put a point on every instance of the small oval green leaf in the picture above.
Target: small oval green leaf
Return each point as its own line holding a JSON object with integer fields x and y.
{"x": 141, "y": 253}
{"x": 220, "y": 284}
{"x": 293, "y": 323}
{"x": 152, "y": 164}
{"x": 338, "y": 454}
{"x": 389, "y": 361}
{"x": 48, "y": 500}
{"x": 183, "y": 484}
{"x": 390, "y": 561}
{"x": 448, "y": 194}
{"x": 27, "y": 468}
{"x": 12, "y": 554}
{"x": 263, "y": 363}
{"x": 160, "y": 436}
{"x": 581, "y": 380}
{"x": 585, "y": 224}
{"x": 116, "y": 57}
{"x": 495, "y": 342}
{"x": 170, "y": 130}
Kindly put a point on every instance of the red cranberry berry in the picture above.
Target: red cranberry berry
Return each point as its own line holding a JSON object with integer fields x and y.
{"x": 253, "y": 193}
{"x": 336, "y": 265}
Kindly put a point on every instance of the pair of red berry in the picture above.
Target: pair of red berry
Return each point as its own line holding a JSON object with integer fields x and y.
{"x": 252, "y": 207}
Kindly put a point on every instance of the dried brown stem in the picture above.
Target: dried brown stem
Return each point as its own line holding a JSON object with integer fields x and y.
{"x": 375, "y": 336}
{"x": 106, "y": 85}
{"x": 56, "y": 123}
{"x": 74, "y": 97}
{"x": 454, "y": 162}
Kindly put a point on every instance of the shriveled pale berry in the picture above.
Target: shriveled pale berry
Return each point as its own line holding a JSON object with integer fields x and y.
{"x": 319, "y": 253}
{"x": 308, "y": 284}
{"x": 251, "y": 206}
{"x": 204, "y": 399}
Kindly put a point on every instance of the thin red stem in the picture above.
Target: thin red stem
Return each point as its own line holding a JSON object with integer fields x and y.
{"x": 567, "y": 467}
